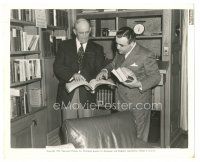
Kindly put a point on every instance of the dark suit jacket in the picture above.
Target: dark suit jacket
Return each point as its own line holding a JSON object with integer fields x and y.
{"x": 66, "y": 64}
{"x": 142, "y": 62}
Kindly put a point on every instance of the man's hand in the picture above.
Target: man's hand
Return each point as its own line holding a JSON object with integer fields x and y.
{"x": 102, "y": 75}
{"x": 78, "y": 77}
{"x": 133, "y": 84}
{"x": 132, "y": 81}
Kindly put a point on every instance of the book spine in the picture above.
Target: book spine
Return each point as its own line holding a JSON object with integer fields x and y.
{"x": 13, "y": 105}
{"x": 32, "y": 42}
{"x": 93, "y": 28}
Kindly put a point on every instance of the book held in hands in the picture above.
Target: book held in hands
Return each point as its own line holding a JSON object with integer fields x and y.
{"x": 124, "y": 74}
{"x": 92, "y": 85}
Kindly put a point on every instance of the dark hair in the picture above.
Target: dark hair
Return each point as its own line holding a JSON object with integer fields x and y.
{"x": 126, "y": 32}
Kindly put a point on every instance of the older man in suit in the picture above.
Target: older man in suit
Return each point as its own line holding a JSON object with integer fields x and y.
{"x": 134, "y": 95}
{"x": 77, "y": 59}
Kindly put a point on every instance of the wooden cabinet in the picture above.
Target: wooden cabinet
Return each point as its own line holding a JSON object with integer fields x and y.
{"x": 29, "y": 131}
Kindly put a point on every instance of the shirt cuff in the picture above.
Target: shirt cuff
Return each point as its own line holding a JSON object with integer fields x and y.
{"x": 105, "y": 70}
{"x": 140, "y": 86}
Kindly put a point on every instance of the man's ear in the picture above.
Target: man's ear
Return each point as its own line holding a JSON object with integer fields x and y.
{"x": 74, "y": 30}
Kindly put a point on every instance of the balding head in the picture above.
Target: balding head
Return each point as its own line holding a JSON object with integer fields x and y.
{"x": 81, "y": 22}
{"x": 82, "y": 30}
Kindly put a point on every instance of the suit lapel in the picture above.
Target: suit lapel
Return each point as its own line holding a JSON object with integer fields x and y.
{"x": 74, "y": 48}
{"x": 88, "y": 47}
{"x": 132, "y": 56}
{"x": 119, "y": 61}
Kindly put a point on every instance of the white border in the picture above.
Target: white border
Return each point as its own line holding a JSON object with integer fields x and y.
{"x": 193, "y": 61}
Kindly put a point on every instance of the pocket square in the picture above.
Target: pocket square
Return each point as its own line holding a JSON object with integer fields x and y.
{"x": 134, "y": 64}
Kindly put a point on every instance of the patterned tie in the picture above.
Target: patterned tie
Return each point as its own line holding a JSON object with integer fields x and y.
{"x": 80, "y": 56}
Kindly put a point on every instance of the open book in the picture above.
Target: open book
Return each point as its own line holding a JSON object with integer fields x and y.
{"x": 91, "y": 85}
{"x": 124, "y": 74}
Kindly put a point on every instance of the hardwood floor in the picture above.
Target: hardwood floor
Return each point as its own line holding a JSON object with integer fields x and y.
{"x": 154, "y": 134}
{"x": 181, "y": 142}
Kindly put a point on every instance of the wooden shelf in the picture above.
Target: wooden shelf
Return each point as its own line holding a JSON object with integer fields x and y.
{"x": 125, "y": 13}
{"x": 137, "y": 37}
{"x": 140, "y": 13}
{"x": 21, "y": 23}
{"x": 94, "y": 15}
{"x": 27, "y": 23}
{"x": 25, "y": 82}
{"x": 33, "y": 111}
{"x": 55, "y": 27}
{"x": 102, "y": 38}
{"x": 22, "y": 53}
{"x": 148, "y": 36}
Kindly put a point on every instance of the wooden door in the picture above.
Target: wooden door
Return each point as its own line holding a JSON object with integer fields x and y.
{"x": 21, "y": 133}
{"x": 39, "y": 129}
{"x": 175, "y": 81}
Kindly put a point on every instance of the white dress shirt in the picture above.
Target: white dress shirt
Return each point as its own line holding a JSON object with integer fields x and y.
{"x": 78, "y": 45}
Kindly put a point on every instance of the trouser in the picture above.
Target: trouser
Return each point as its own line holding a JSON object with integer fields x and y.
{"x": 142, "y": 121}
{"x": 75, "y": 109}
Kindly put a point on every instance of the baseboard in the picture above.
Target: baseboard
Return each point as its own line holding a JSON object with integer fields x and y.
{"x": 178, "y": 134}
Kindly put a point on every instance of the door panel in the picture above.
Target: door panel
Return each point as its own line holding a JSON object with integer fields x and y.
{"x": 51, "y": 84}
{"x": 39, "y": 129}
{"x": 175, "y": 89}
{"x": 21, "y": 134}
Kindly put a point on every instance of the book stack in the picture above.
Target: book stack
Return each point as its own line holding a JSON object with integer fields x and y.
{"x": 95, "y": 28}
{"x": 124, "y": 74}
{"x": 19, "y": 102}
{"x": 25, "y": 69}
{"x": 23, "y": 14}
{"x": 57, "y": 17}
{"x": 104, "y": 97}
{"x": 51, "y": 43}
{"x": 21, "y": 41}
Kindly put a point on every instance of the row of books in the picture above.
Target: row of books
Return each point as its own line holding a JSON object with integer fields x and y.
{"x": 23, "y": 14}
{"x": 54, "y": 17}
{"x": 95, "y": 28}
{"x": 57, "y": 17}
{"x": 104, "y": 97}
{"x": 23, "y": 100}
{"x": 21, "y": 41}
{"x": 19, "y": 102}
{"x": 51, "y": 43}
{"x": 24, "y": 70}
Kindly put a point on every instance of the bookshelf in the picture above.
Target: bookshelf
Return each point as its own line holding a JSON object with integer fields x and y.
{"x": 30, "y": 53}
{"x": 112, "y": 20}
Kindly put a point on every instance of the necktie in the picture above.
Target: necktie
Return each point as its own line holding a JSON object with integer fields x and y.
{"x": 80, "y": 56}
